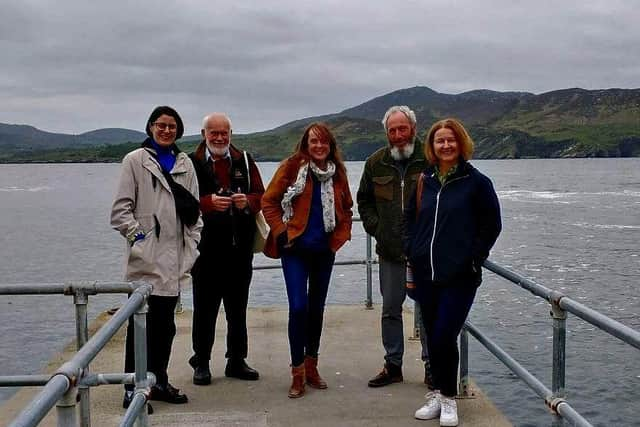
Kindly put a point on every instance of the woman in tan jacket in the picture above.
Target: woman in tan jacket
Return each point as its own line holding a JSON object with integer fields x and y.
{"x": 308, "y": 208}
{"x": 162, "y": 238}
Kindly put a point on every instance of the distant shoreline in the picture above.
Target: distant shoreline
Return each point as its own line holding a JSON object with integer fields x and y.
{"x": 109, "y": 161}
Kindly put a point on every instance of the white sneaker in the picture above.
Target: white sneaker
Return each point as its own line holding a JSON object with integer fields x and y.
{"x": 448, "y": 412}
{"x": 431, "y": 409}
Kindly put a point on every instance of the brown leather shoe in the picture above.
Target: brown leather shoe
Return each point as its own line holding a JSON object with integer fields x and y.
{"x": 297, "y": 384}
{"x": 390, "y": 374}
{"x": 311, "y": 372}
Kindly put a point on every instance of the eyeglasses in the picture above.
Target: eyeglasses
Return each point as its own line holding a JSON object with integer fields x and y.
{"x": 215, "y": 133}
{"x": 164, "y": 126}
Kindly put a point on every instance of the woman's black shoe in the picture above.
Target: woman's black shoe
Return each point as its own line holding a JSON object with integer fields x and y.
{"x": 167, "y": 393}
{"x": 128, "y": 397}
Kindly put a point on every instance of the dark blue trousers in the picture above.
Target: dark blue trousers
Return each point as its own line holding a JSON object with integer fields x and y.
{"x": 306, "y": 303}
{"x": 444, "y": 310}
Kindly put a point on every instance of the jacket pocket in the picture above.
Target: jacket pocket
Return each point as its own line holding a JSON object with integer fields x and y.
{"x": 142, "y": 251}
{"x": 189, "y": 256}
{"x": 383, "y": 187}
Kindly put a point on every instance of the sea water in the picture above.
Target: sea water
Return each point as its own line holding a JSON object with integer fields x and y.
{"x": 572, "y": 225}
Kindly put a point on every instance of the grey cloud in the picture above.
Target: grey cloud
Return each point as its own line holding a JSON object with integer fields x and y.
{"x": 75, "y": 65}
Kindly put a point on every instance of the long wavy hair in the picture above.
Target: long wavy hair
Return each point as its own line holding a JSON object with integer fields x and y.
{"x": 322, "y": 131}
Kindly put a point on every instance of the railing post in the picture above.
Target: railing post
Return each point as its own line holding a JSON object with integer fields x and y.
{"x": 140, "y": 351}
{"x": 559, "y": 343}
{"x": 417, "y": 321}
{"x": 80, "y": 300}
{"x": 463, "y": 386}
{"x": 66, "y": 409}
{"x": 179, "y": 307}
{"x": 369, "y": 302}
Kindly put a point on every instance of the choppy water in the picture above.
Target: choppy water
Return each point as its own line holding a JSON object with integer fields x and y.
{"x": 572, "y": 225}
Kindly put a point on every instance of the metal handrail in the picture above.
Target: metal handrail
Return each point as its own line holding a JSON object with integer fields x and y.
{"x": 368, "y": 262}
{"x": 560, "y": 305}
{"x": 72, "y": 376}
{"x": 57, "y": 388}
{"x": 589, "y": 315}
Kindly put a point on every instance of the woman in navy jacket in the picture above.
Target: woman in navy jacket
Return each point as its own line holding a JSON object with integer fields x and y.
{"x": 446, "y": 240}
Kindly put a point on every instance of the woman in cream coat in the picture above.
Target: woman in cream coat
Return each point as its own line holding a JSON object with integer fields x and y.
{"x": 161, "y": 249}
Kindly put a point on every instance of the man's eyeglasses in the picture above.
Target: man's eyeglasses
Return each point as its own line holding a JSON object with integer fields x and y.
{"x": 164, "y": 126}
{"x": 215, "y": 133}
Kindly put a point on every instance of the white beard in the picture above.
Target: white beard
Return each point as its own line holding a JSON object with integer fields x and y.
{"x": 219, "y": 152}
{"x": 402, "y": 153}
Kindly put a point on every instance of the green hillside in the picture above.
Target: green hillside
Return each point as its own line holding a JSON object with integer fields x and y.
{"x": 563, "y": 123}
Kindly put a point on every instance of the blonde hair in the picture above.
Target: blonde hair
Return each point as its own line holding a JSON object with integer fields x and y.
{"x": 465, "y": 143}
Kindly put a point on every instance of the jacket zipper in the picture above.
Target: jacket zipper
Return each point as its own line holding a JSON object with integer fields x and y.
{"x": 402, "y": 175}
{"x": 435, "y": 225}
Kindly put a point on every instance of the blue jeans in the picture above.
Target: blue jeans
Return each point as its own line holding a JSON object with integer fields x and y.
{"x": 306, "y": 304}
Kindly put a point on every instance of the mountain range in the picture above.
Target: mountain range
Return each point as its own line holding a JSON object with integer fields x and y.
{"x": 562, "y": 123}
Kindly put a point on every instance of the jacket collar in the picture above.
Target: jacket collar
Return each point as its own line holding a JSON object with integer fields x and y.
{"x": 464, "y": 168}
{"x": 151, "y": 164}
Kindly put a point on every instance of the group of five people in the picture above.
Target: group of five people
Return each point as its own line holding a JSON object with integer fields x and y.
{"x": 433, "y": 215}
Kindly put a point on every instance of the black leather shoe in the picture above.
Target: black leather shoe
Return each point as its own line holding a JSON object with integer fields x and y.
{"x": 390, "y": 374}
{"x": 128, "y": 397}
{"x": 240, "y": 369}
{"x": 167, "y": 393}
{"x": 201, "y": 375}
{"x": 201, "y": 372}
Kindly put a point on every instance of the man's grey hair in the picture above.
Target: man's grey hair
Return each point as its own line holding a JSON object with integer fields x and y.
{"x": 206, "y": 118}
{"x": 408, "y": 112}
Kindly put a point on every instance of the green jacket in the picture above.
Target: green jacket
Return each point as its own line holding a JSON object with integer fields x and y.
{"x": 383, "y": 193}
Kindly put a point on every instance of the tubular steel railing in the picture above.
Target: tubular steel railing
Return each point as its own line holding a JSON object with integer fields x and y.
{"x": 560, "y": 305}
{"x": 75, "y": 374}
{"x": 73, "y": 378}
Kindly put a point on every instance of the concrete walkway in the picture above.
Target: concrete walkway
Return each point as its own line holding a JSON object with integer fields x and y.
{"x": 351, "y": 353}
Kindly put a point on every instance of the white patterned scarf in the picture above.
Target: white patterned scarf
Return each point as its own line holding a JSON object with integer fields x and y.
{"x": 326, "y": 191}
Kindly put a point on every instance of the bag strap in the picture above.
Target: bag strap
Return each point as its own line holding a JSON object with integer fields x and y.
{"x": 419, "y": 186}
{"x": 246, "y": 162}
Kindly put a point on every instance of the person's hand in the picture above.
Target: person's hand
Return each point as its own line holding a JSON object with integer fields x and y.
{"x": 220, "y": 203}
{"x": 282, "y": 240}
{"x": 140, "y": 235}
{"x": 240, "y": 200}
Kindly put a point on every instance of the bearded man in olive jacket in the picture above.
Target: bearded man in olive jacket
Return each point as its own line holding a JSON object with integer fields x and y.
{"x": 387, "y": 182}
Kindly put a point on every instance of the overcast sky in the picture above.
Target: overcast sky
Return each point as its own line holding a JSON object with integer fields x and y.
{"x": 76, "y": 65}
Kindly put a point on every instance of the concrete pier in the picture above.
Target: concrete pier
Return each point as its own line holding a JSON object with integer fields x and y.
{"x": 350, "y": 353}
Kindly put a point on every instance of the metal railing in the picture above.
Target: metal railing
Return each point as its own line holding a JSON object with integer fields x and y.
{"x": 368, "y": 262}
{"x": 75, "y": 373}
{"x": 73, "y": 378}
{"x": 554, "y": 398}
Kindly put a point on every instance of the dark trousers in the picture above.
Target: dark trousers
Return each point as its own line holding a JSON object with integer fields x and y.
{"x": 444, "y": 310}
{"x": 223, "y": 279}
{"x": 161, "y": 329}
{"x": 306, "y": 304}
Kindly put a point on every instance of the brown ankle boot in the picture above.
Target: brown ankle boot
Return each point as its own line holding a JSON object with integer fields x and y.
{"x": 311, "y": 371}
{"x": 297, "y": 384}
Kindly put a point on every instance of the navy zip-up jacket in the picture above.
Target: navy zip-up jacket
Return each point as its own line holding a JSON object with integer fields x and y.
{"x": 456, "y": 227}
